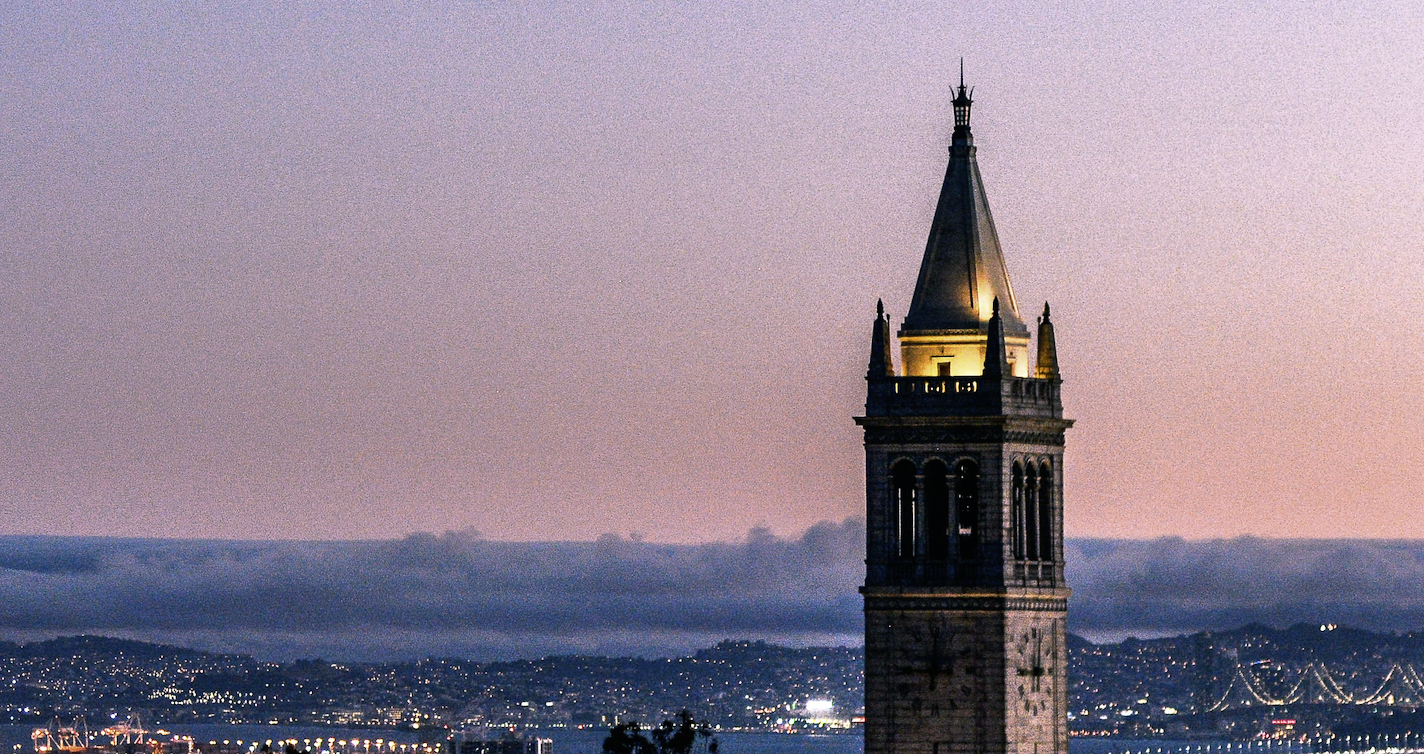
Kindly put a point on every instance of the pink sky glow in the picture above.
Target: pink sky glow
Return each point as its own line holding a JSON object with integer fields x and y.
{"x": 313, "y": 270}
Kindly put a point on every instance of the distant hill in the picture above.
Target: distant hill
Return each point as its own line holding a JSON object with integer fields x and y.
{"x": 97, "y": 646}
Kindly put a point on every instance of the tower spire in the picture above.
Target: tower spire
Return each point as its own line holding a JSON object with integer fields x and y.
{"x": 996, "y": 362}
{"x": 881, "y": 364}
{"x": 963, "y": 268}
{"x": 1047, "y": 348}
{"x": 962, "y": 102}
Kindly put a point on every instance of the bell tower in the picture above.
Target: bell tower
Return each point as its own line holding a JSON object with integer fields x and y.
{"x": 965, "y": 602}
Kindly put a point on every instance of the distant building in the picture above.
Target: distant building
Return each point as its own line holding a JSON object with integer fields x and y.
{"x": 965, "y": 601}
{"x": 464, "y": 743}
{"x": 506, "y": 746}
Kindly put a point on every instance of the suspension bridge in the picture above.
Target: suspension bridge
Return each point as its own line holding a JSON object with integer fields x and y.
{"x": 1395, "y": 743}
{"x": 1401, "y": 687}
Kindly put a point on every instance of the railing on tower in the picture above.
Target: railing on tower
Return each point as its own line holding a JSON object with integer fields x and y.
{"x": 1035, "y": 572}
{"x": 930, "y": 396}
{"x": 911, "y": 572}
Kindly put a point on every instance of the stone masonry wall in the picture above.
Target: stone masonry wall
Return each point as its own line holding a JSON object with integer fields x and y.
{"x": 965, "y": 682}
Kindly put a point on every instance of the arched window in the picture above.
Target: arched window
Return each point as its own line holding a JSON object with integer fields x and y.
{"x": 936, "y": 511}
{"x": 966, "y": 508}
{"x": 1016, "y": 512}
{"x": 903, "y": 486}
{"x": 1045, "y": 513}
{"x": 1031, "y": 512}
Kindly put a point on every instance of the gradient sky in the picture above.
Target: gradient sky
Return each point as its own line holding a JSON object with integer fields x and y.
{"x": 332, "y": 270}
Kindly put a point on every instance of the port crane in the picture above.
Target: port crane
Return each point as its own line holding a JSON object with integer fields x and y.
{"x": 57, "y": 738}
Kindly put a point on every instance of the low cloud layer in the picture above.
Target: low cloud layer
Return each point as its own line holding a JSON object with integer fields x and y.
{"x": 458, "y": 594}
{"x": 453, "y": 594}
{"x": 1173, "y": 585}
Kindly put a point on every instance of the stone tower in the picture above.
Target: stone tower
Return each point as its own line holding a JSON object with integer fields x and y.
{"x": 965, "y": 602}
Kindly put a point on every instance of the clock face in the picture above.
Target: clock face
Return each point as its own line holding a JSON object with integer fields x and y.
{"x": 943, "y": 667}
{"x": 1034, "y": 652}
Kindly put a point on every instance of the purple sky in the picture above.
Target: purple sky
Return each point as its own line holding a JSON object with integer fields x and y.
{"x": 332, "y": 270}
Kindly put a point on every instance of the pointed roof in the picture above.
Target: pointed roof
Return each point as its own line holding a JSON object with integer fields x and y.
{"x": 1047, "y": 348}
{"x": 881, "y": 363}
{"x": 996, "y": 362}
{"x": 963, "y": 269}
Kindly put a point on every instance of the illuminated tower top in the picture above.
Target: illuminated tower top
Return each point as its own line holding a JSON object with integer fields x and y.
{"x": 962, "y": 273}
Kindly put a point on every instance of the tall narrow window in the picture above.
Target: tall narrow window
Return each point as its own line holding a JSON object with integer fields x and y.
{"x": 1045, "y": 513}
{"x": 966, "y": 508}
{"x": 936, "y": 511}
{"x": 1031, "y": 512}
{"x": 1016, "y": 513}
{"x": 903, "y": 479}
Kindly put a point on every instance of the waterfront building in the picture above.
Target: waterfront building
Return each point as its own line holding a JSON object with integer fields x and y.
{"x": 965, "y": 601}
{"x": 465, "y": 743}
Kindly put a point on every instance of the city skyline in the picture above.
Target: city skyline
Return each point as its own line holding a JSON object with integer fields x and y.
{"x": 288, "y": 272}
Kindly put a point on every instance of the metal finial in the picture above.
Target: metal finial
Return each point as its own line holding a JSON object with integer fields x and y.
{"x": 963, "y": 99}
{"x": 996, "y": 306}
{"x": 879, "y": 308}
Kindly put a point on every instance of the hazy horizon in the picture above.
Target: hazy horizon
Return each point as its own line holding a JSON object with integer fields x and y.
{"x": 457, "y": 594}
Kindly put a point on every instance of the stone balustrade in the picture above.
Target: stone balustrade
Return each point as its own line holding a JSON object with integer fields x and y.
{"x": 939, "y": 396}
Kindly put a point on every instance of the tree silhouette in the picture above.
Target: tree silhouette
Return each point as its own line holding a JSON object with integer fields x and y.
{"x": 680, "y": 735}
{"x": 625, "y": 738}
